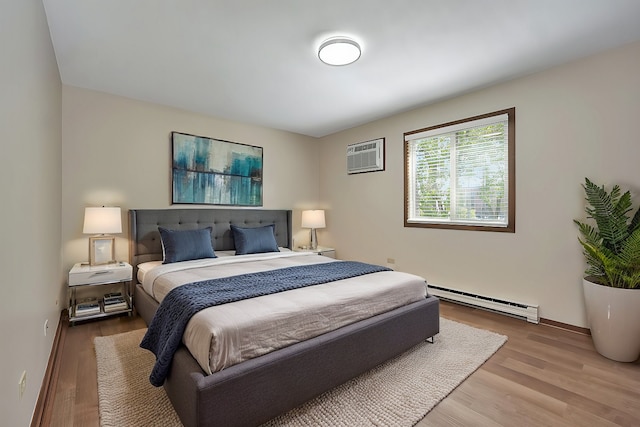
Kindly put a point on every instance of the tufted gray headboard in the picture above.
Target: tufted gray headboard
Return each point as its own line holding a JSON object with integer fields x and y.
{"x": 144, "y": 238}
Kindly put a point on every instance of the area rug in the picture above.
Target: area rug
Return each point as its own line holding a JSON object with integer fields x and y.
{"x": 397, "y": 393}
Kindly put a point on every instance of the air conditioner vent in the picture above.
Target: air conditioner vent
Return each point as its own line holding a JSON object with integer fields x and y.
{"x": 365, "y": 156}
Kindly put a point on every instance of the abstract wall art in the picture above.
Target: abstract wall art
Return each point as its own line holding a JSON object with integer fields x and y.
{"x": 215, "y": 172}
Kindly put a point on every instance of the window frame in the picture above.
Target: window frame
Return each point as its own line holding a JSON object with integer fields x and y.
{"x": 511, "y": 182}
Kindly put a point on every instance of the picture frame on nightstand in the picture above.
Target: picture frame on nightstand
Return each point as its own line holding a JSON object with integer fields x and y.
{"x": 101, "y": 250}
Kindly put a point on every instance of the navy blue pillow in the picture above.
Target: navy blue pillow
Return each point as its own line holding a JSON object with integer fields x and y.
{"x": 185, "y": 245}
{"x": 255, "y": 240}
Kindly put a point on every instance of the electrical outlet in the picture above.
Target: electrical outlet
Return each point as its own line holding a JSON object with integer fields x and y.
{"x": 22, "y": 385}
{"x": 46, "y": 327}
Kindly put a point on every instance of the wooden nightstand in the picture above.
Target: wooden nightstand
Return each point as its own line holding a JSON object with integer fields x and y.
{"x": 108, "y": 304}
{"x": 320, "y": 250}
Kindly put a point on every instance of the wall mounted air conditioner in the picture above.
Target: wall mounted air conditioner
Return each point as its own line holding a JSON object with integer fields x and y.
{"x": 365, "y": 156}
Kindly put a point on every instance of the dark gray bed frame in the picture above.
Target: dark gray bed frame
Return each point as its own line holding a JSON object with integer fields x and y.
{"x": 254, "y": 391}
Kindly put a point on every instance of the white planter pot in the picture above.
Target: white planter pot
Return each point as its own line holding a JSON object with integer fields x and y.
{"x": 613, "y": 315}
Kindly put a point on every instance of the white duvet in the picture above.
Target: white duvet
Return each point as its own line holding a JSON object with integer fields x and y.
{"x": 224, "y": 335}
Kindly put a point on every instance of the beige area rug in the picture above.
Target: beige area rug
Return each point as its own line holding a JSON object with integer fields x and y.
{"x": 399, "y": 392}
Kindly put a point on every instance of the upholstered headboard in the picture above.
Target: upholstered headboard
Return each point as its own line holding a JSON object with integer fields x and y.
{"x": 144, "y": 237}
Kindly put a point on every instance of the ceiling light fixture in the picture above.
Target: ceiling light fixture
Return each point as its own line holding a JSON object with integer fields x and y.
{"x": 339, "y": 51}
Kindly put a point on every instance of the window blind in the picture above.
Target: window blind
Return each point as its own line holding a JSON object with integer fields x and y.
{"x": 459, "y": 173}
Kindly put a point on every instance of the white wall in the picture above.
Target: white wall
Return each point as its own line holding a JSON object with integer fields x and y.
{"x": 117, "y": 152}
{"x": 579, "y": 120}
{"x": 30, "y": 120}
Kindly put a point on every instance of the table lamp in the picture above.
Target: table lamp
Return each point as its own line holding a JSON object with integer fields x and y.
{"x": 313, "y": 219}
{"x": 100, "y": 221}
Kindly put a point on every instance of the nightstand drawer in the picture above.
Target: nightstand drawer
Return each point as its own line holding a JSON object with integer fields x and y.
{"x": 331, "y": 253}
{"x": 88, "y": 275}
{"x": 320, "y": 250}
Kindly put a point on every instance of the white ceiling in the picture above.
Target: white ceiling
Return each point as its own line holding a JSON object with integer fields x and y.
{"x": 256, "y": 61}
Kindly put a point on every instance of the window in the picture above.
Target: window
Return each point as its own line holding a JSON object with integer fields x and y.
{"x": 461, "y": 174}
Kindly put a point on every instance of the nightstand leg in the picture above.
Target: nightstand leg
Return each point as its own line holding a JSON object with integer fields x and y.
{"x": 130, "y": 292}
{"x": 72, "y": 305}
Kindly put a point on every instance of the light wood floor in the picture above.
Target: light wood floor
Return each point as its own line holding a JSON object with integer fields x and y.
{"x": 543, "y": 376}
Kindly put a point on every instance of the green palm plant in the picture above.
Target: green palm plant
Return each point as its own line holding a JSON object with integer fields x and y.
{"x": 612, "y": 247}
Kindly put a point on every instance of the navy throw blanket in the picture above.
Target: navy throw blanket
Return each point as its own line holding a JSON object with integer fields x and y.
{"x": 164, "y": 334}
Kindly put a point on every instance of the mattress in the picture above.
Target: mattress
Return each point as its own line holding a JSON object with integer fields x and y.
{"x": 222, "y": 336}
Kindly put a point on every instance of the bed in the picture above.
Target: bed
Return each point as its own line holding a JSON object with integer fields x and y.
{"x": 252, "y": 391}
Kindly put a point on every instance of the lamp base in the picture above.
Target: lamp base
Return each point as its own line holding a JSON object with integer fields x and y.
{"x": 314, "y": 239}
{"x": 101, "y": 249}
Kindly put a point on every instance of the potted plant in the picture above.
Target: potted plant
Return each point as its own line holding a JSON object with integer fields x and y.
{"x": 612, "y": 283}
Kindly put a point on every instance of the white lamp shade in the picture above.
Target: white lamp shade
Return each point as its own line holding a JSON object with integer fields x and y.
{"x": 313, "y": 219}
{"x": 102, "y": 220}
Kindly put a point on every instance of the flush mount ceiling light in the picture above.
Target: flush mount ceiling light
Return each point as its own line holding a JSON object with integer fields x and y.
{"x": 339, "y": 51}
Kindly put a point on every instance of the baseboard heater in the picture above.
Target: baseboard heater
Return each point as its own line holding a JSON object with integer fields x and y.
{"x": 515, "y": 309}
